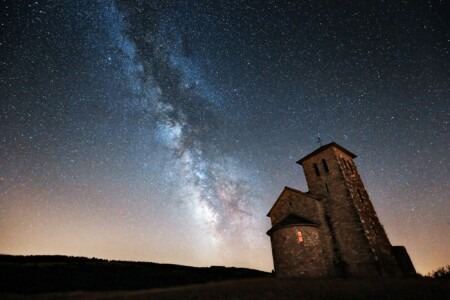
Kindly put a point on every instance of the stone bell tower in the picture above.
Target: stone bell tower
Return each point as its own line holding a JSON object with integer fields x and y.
{"x": 361, "y": 246}
{"x": 333, "y": 229}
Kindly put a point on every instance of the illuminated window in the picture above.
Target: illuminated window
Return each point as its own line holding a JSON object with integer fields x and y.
{"x": 299, "y": 237}
{"x": 316, "y": 169}
{"x": 325, "y": 165}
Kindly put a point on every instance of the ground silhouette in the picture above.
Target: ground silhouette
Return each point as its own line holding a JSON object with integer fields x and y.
{"x": 62, "y": 277}
{"x": 49, "y": 274}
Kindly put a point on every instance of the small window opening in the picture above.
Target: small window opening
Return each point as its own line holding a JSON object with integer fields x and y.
{"x": 326, "y": 186}
{"x": 344, "y": 162}
{"x": 317, "y": 170}
{"x": 351, "y": 167}
{"x": 374, "y": 227}
{"x": 300, "y": 237}
{"x": 360, "y": 196}
{"x": 347, "y": 165}
{"x": 325, "y": 166}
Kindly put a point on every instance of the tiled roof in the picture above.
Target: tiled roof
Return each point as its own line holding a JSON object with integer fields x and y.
{"x": 291, "y": 220}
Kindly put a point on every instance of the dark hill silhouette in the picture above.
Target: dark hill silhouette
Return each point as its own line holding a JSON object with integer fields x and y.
{"x": 48, "y": 274}
{"x": 63, "y": 277}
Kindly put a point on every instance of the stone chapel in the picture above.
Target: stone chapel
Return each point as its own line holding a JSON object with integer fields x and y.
{"x": 332, "y": 230}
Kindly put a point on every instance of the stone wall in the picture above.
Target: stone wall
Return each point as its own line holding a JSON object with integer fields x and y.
{"x": 380, "y": 247}
{"x": 293, "y": 201}
{"x": 304, "y": 259}
{"x": 361, "y": 245}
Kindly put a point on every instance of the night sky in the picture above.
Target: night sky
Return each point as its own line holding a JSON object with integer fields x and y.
{"x": 141, "y": 130}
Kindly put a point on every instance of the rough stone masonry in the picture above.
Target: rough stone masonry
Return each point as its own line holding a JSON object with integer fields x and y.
{"x": 332, "y": 230}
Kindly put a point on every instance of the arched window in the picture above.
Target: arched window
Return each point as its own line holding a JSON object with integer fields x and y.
{"x": 316, "y": 169}
{"x": 325, "y": 166}
{"x": 300, "y": 237}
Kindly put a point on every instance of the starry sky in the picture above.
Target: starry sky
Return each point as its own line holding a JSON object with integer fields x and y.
{"x": 165, "y": 130}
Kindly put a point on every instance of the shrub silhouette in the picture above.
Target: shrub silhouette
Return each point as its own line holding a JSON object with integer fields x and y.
{"x": 441, "y": 273}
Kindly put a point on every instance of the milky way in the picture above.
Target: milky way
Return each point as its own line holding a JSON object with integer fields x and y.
{"x": 164, "y": 131}
{"x": 183, "y": 112}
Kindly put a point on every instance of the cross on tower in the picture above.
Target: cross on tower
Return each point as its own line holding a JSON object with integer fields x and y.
{"x": 319, "y": 140}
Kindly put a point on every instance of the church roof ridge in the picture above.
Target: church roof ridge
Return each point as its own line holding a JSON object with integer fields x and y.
{"x": 324, "y": 147}
{"x": 292, "y": 190}
{"x": 301, "y": 192}
{"x": 291, "y": 220}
